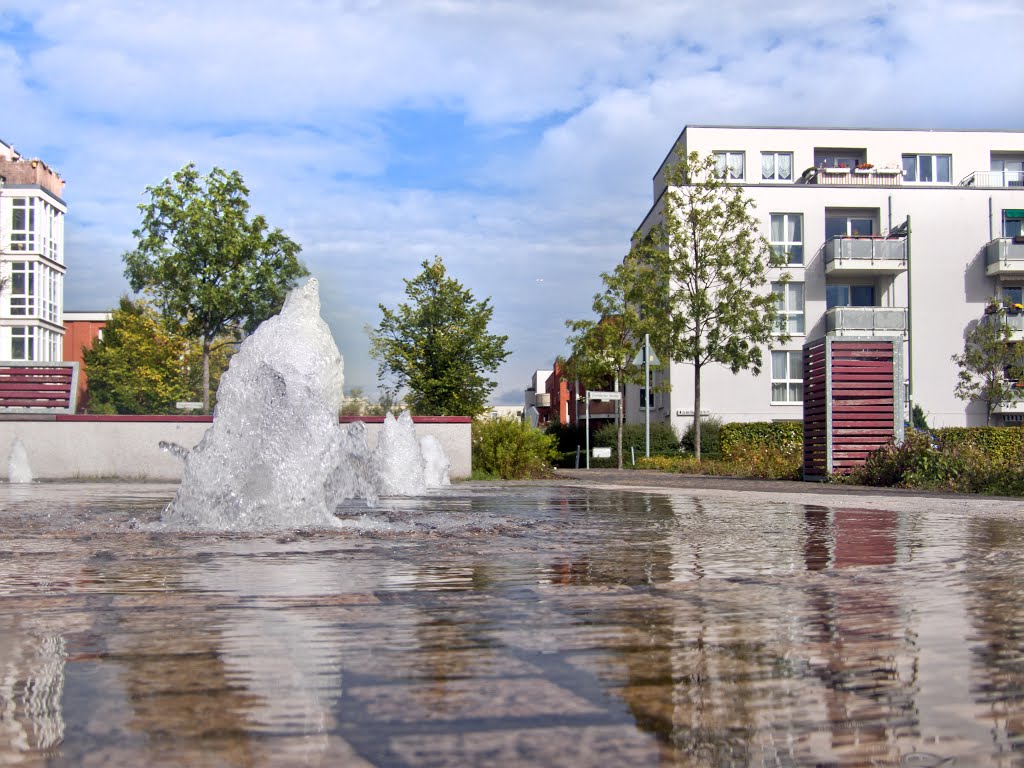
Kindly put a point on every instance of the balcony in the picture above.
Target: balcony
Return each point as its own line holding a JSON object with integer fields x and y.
{"x": 866, "y": 321}
{"x": 993, "y": 179}
{"x": 854, "y": 177}
{"x": 866, "y": 255}
{"x": 1004, "y": 256}
{"x": 1014, "y": 407}
{"x": 542, "y": 400}
{"x": 1015, "y": 322}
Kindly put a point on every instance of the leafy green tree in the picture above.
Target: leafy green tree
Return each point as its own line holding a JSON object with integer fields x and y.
{"x": 437, "y": 346}
{"x": 205, "y": 263}
{"x": 142, "y": 365}
{"x": 710, "y": 302}
{"x": 605, "y": 349}
{"x": 990, "y": 366}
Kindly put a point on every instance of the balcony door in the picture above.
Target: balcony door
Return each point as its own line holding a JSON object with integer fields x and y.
{"x": 1008, "y": 170}
{"x": 849, "y": 225}
{"x": 839, "y": 295}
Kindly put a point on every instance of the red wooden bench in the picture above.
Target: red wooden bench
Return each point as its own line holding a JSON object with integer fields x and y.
{"x": 38, "y": 387}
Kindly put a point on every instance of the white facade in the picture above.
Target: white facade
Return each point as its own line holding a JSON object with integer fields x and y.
{"x": 851, "y": 272}
{"x": 31, "y": 259}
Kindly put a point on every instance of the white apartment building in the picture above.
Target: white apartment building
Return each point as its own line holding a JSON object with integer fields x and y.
{"x": 31, "y": 259}
{"x": 836, "y": 200}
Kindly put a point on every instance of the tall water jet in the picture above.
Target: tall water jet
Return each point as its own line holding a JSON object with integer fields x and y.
{"x": 18, "y": 468}
{"x": 270, "y": 458}
{"x": 398, "y": 459}
{"x": 436, "y": 463}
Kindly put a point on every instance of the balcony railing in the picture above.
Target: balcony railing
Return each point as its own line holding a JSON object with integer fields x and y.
{"x": 873, "y": 254}
{"x": 993, "y": 179}
{"x": 1004, "y": 255}
{"x": 855, "y": 177}
{"x": 1014, "y": 321}
{"x": 866, "y": 321}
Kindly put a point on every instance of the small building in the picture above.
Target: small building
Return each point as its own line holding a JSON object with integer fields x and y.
{"x": 32, "y": 211}
{"x": 81, "y": 330}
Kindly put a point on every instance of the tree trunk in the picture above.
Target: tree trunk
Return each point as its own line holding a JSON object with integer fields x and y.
{"x": 618, "y": 426}
{"x": 206, "y": 375}
{"x": 696, "y": 408}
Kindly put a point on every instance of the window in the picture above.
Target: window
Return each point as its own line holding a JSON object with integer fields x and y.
{"x": 838, "y": 158}
{"x": 787, "y": 377}
{"x": 23, "y": 343}
{"x": 789, "y": 299}
{"x": 787, "y": 236}
{"x": 23, "y": 224}
{"x": 23, "y": 288}
{"x": 650, "y": 397}
{"x": 848, "y": 224}
{"x": 729, "y": 165}
{"x": 1013, "y": 294}
{"x": 849, "y": 296}
{"x": 927, "y": 168}
{"x": 1008, "y": 171}
{"x": 1013, "y": 222}
{"x": 777, "y": 166}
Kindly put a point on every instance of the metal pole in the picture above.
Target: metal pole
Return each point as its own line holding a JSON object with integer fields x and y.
{"x": 647, "y": 395}
{"x": 910, "y": 336}
{"x": 588, "y": 430}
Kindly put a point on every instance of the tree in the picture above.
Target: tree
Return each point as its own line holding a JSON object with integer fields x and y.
{"x": 605, "y": 349}
{"x": 990, "y": 366}
{"x": 205, "y": 263}
{"x": 437, "y": 345}
{"x": 143, "y": 365}
{"x": 712, "y": 266}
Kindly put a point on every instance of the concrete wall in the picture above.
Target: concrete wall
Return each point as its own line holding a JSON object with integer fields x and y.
{"x": 127, "y": 447}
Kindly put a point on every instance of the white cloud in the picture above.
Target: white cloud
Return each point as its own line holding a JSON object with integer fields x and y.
{"x": 301, "y": 98}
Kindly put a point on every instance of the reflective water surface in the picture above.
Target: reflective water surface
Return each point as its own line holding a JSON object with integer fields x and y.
{"x": 518, "y": 625}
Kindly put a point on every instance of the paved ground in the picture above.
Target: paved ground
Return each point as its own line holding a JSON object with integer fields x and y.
{"x": 788, "y": 490}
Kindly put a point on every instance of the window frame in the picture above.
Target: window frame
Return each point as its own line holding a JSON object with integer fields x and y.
{"x": 26, "y": 334}
{"x": 933, "y": 158}
{"x": 784, "y": 243}
{"x": 727, "y": 155}
{"x": 788, "y": 382}
{"x": 785, "y": 311}
{"x": 775, "y": 167}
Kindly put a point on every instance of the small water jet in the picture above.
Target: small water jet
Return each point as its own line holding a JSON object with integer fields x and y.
{"x": 275, "y": 456}
{"x": 18, "y": 468}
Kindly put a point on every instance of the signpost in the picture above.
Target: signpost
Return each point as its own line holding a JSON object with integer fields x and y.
{"x": 647, "y": 356}
{"x": 188, "y": 405}
{"x": 600, "y": 396}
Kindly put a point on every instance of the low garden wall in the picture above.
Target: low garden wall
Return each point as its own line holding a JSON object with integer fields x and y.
{"x": 71, "y": 447}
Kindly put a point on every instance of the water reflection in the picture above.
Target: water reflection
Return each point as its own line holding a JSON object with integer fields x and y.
{"x": 543, "y": 626}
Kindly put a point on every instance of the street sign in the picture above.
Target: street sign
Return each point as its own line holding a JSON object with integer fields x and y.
{"x": 188, "y": 405}
{"x": 602, "y": 453}
{"x": 604, "y": 395}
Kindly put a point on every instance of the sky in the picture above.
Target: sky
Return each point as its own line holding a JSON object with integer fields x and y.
{"x": 515, "y": 139}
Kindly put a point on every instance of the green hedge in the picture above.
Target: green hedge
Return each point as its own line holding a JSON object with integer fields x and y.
{"x": 511, "y": 449}
{"x": 999, "y": 444}
{"x": 738, "y": 437}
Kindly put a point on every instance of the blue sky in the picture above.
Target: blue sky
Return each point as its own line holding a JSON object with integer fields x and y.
{"x": 514, "y": 139}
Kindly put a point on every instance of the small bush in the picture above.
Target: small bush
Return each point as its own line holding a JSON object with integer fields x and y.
{"x": 965, "y": 460}
{"x": 511, "y": 449}
{"x": 758, "y": 461}
{"x": 664, "y": 439}
{"x": 710, "y": 437}
{"x": 740, "y": 437}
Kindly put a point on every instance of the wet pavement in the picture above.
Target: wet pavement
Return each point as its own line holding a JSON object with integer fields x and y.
{"x": 610, "y": 619}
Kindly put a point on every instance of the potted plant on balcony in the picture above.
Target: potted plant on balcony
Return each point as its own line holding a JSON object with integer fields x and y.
{"x": 864, "y": 168}
{"x": 992, "y": 307}
{"x": 1014, "y": 309}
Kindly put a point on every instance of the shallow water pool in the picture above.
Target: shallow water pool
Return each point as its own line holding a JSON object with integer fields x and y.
{"x": 510, "y": 625}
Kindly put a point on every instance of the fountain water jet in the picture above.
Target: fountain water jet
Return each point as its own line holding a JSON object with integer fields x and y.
{"x": 275, "y": 456}
{"x": 18, "y": 468}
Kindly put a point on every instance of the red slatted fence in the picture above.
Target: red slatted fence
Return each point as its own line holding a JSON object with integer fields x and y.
{"x": 853, "y": 401}
{"x": 38, "y": 387}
